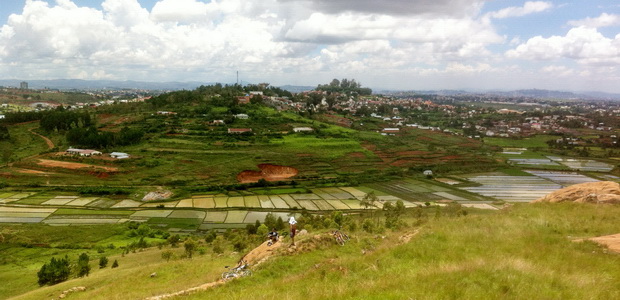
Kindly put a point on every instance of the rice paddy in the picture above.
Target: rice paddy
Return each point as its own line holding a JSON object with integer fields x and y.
{"x": 512, "y": 188}
{"x": 238, "y": 208}
{"x": 582, "y": 164}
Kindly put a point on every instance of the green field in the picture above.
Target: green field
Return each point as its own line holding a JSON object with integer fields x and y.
{"x": 537, "y": 141}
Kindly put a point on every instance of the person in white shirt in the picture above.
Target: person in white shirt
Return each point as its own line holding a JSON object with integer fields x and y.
{"x": 293, "y": 228}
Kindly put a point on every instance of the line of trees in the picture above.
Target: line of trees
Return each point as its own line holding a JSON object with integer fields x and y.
{"x": 61, "y": 120}
{"x": 344, "y": 86}
{"x": 92, "y": 138}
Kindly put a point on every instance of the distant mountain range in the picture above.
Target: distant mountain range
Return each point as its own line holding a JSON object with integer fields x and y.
{"x": 529, "y": 93}
{"x": 78, "y": 84}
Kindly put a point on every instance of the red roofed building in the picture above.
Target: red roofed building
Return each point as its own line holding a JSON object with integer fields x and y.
{"x": 239, "y": 130}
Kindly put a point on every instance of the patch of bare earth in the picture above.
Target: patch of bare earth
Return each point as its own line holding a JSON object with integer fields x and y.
{"x": 268, "y": 172}
{"x": 73, "y": 166}
{"x": 612, "y": 242}
{"x": 28, "y": 171}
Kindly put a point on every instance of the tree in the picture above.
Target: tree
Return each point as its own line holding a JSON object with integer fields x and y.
{"x": 4, "y": 133}
{"x": 115, "y": 264}
{"x": 57, "y": 270}
{"x": 369, "y": 200}
{"x": 83, "y": 268}
{"x": 190, "y": 247}
{"x": 393, "y": 213}
{"x": 270, "y": 221}
{"x": 103, "y": 262}
{"x": 280, "y": 224}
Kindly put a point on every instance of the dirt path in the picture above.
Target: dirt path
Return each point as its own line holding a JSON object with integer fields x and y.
{"x": 49, "y": 142}
{"x": 255, "y": 257}
{"x": 611, "y": 241}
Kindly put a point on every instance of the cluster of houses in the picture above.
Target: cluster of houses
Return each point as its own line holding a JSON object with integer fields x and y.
{"x": 90, "y": 152}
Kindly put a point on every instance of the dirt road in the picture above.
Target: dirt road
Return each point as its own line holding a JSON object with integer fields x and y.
{"x": 49, "y": 142}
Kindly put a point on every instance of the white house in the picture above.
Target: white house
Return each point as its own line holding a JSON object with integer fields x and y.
{"x": 83, "y": 152}
{"x": 242, "y": 116}
{"x": 119, "y": 155}
{"x": 303, "y": 129}
{"x": 1, "y": 116}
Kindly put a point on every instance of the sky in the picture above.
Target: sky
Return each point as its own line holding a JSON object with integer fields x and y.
{"x": 571, "y": 45}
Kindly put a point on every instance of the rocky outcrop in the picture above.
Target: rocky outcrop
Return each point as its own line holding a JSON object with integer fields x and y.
{"x": 590, "y": 192}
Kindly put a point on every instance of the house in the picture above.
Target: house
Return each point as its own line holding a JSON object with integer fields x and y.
{"x": 82, "y": 152}
{"x": 428, "y": 173}
{"x": 166, "y": 113}
{"x": 242, "y": 116}
{"x": 1, "y": 116}
{"x": 391, "y": 130}
{"x": 303, "y": 129}
{"x": 217, "y": 122}
{"x": 243, "y": 99}
{"x": 239, "y": 130}
{"x": 119, "y": 155}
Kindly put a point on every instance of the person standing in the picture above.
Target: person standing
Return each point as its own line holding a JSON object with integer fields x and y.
{"x": 293, "y": 229}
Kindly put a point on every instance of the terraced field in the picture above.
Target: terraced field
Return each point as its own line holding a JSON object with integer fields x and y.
{"x": 198, "y": 211}
{"x": 208, "y": 211}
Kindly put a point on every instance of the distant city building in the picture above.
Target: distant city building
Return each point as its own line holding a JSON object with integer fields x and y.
{"x": 23, "y": 85}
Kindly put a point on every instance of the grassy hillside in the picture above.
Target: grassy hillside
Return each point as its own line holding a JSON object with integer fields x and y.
{"x": 523, "y": 252}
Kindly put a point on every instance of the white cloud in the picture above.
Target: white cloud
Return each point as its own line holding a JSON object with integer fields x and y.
{"x": 392, "y": 42}
{"x": 604, "y": 20}
{"x": 560, "y": 71}
{"x": 529, "y": 7}
{"x": 180, "y": 10}
{"x": 585, "y": 45}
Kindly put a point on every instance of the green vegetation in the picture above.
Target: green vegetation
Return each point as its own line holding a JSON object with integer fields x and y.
{"x": 537, "y": 141}
{"x": 533, "y": 256}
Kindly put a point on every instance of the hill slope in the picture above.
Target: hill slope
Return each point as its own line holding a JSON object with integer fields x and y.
{"x": 522, "y": 253}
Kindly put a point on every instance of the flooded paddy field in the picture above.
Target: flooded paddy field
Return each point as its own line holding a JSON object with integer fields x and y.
{"x": 511, "y": 188}
{"x": 582, "y": 164}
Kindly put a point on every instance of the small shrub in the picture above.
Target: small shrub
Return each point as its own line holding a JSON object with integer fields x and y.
{"x": 103, "y": 262}
{"x": 115, "y": 264}
{"x": 167, "y": 255}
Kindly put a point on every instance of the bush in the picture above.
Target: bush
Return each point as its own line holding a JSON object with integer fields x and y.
{"x": 262, "y": 230}
{"x": 115, "y": 264}
{"x": 174, "y": 240}
{"x": 210, "y": 236}
{"x": 167, "y": 255}
{"x": 190, "y": 246}
{"x": 217, "y": 245}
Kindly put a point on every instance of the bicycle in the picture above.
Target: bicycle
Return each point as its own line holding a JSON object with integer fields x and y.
{"x": 341, "y": 237}
{"x": 239, "y": 271}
